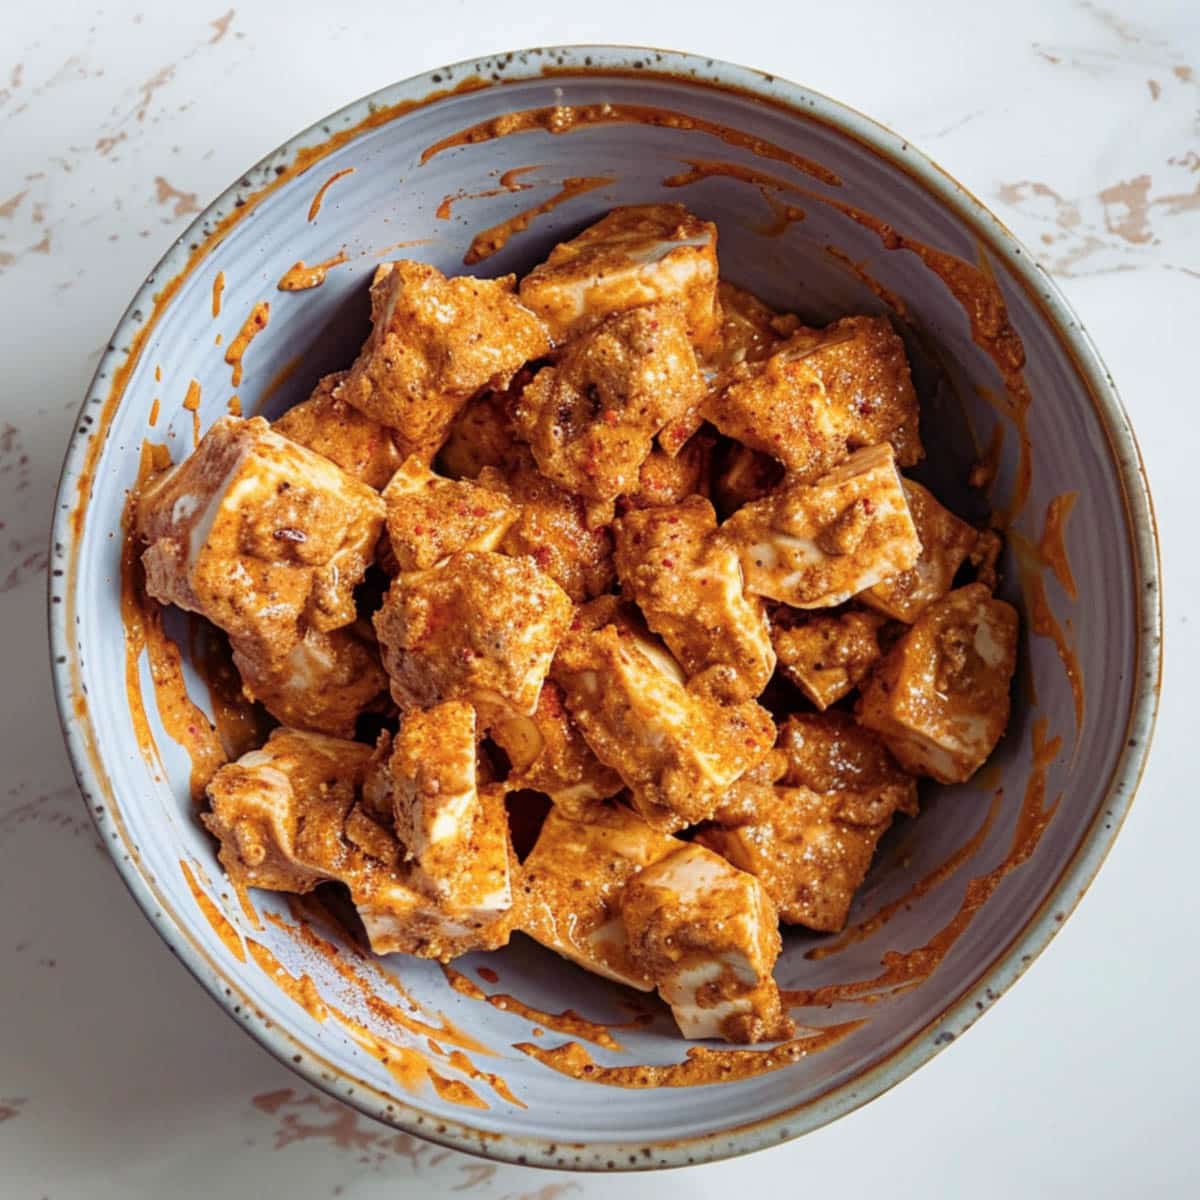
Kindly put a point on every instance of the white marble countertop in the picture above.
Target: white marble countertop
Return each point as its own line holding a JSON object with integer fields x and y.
{"x": 1077, "y": 122}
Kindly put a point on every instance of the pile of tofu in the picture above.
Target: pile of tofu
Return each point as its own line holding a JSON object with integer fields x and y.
{"x": 616, "y": 534}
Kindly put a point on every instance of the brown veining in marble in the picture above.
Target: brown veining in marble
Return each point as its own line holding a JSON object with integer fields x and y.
{"x": 185, "y": 202}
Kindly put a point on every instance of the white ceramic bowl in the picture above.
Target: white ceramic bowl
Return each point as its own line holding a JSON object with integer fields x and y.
{"x": 875, "y": 215}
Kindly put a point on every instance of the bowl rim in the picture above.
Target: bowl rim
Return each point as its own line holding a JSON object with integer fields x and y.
{"x": 91, "y": 430}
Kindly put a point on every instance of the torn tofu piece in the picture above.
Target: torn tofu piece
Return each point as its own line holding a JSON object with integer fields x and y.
{"x": 940, "y": 699}
{"x": 670, "y": 479}
{"x": 676, "y": 750}
{"x": 810, "y": 838}
{"x": 778, "y": 406}
{"x": 430, "y": 517}
{"x": 831, "y": 752}
{"x": 636, "y": 255}
{"x": 590, "y": 419}
{"x": 258, "y": 534}
{"x": 280, "y": 812}
{"x": 329, "y": 426}
{"x": 548, "y": 754}
{"x": 706, "y": 933}
{"x": 482, "y": 434}
{"x": 945, "y": 544}
{"x": 688, "y": 584}
{"x": 827, "y": 655}
{"x": 434, "y": 343}
{"x": 552, "y": 529}
{"x": 750, "y": 329}
{"x": 816, "y": 545}
{"x": 323, "y": 682}
{"x": 863, "y": 366}
{"x": 570, "y": 886}
{"x": 478, "y": 627}
{"x": 743, "y": 475}
{"x": 807, "y": 850}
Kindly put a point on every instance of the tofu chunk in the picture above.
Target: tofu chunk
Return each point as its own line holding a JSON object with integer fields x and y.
{"x": 940, "y": 699}
{"x": 778, "y": 406}
{"x": 826, "y": 655}
{"x": 810, "y": 838}
{"x": 750, "y": 330}
{"x": 478, "y": 627}
{"x": 816, "y": 545}
{"x": 570, "y": 887}
{"x": 707, "y": 935}
{"x": 323, "y": 683}
{"x": 590, "y": 419}
{"x": 743, "y": 475}
{"x": 435, "y": 797}
{"x": 259, "y": 534}
{"x": 434, "y": 343}
{"x": 945, "y": 544}
{"x": 677, "y": 751}
{"x": 636, "y": 255}
{"x": 326, "y": 425}
{"x": 804, "y": 851}
{"x": 688, "y": 584}
{"x": 552, "y": 529}
{"x": 862, "y": 364}
{"x": 430, "y": 517}
{"x": 482, "y": 433}
{"x": 670, "y": 479}
{"x": 548, "y": 754}
{"x": 280, "y": 812}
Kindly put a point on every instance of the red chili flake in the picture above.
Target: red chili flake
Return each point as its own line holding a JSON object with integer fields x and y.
{"x": 668, "y": 562}
{"x": 868, "y": 505}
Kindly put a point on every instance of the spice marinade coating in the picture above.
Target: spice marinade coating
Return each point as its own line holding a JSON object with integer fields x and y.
{"x": 607, "y": 507}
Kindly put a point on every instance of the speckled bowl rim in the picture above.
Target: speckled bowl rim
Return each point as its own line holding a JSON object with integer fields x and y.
{"x": 67, "y": 538}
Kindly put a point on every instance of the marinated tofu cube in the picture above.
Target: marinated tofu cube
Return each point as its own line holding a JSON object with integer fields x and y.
{"x": 435, "y": 796}
{"x": 570, "y": 886}
{"x": 688, "y": 584}
{"x": 676, "y": 750}
{"x": 280, "y": 812}
{"x": 590, "y": 419}
{"x": 434, "y": 343}
{"x": 548, "y": 754}
{"x": 816, "y": 545}
{"x": 807, "y": 850}
{"x": 478, "y": 627}
{"x": 831, "y": 752}
{"x": 323, "y": 683}
{"x": 671, "y": 479}
{"x": 482, "y": 434}
{"x": 750, "y": 330}
{"x": 430, "y": 517}
{"x": 946, "y": 543}
{"x": 636, "y": 255}
{"x": 778, "y": 406}
{"x": 552, "y": 529}
{"x": 258, "y": 534}
{"x": 862, "y": 364}
{"x": 743, "y": 475}
{"x": 826, "y": 655}
{"x": 707, "y": 935}
{"x": 363, "y": 448}
{"x": 940, "y": 699}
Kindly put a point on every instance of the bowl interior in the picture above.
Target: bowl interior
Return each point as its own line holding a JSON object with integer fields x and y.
{"x": 990, "y": 839}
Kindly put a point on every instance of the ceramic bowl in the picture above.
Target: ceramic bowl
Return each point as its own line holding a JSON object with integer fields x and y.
{"x": 823, "y": 212}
